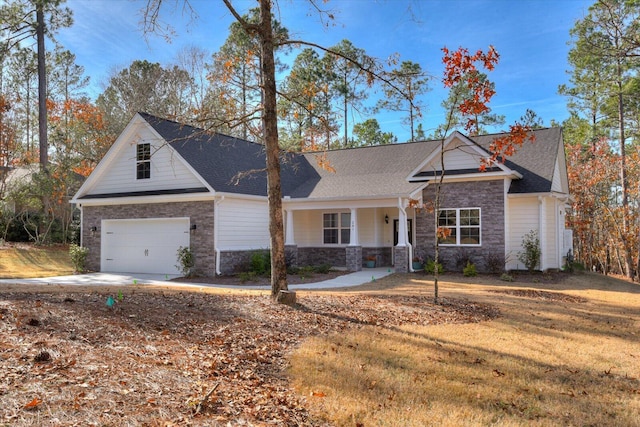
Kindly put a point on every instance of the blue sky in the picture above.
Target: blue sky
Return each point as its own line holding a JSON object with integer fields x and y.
{"x": 531, "y": 37}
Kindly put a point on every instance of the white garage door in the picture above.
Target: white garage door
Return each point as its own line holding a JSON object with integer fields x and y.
{"x": 143, "y": 245}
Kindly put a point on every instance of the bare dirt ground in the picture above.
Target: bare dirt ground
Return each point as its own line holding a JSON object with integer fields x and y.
{"x": 165, "y": 357}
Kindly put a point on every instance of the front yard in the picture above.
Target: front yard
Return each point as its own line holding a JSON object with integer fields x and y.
{"x": 559, "y": 353}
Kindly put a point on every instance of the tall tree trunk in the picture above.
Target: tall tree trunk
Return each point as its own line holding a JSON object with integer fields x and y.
{"x": 42, "y": 87}
{"x": 628, "y": 258}
{"x": 345, "y": 107}
{"x": 270, "y": 129}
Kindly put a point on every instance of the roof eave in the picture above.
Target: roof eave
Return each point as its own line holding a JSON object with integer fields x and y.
{"x": 513, "y": 174}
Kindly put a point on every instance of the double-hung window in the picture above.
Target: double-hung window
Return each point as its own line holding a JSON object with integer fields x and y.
{"x": 143, "y": 161}
{"x": 459, "y": 227}
{"x": 336, "y": 228}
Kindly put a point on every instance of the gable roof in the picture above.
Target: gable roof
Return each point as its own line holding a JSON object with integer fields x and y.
{"x": 535, "y": 161}
{"x": 228, "y": 164}
{"x": 236, "y": 166}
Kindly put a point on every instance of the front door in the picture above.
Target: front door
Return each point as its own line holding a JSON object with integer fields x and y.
{"x": 409, "y": 231}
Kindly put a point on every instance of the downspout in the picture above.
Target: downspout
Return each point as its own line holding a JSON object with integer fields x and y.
{"x": 542, "y": 227}
{"x": 216, "y": 248}
{"x": 404, "y": 212}
{"x": 81, "y": 225}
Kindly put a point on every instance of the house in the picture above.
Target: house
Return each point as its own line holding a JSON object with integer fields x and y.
{"x": 164, "y": 185}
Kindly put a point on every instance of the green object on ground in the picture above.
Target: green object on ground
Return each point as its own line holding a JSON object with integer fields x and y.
{"x": 110, "y": 301}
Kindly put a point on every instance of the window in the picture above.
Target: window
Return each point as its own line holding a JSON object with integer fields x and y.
{"x": 459, "y": 226}
{"x": 336, "y": 228}
{"x": 143, "y": 161}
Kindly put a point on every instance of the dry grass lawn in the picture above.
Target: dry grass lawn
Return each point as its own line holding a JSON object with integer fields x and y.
{"x": 560, "y": 353}
{"x": 20, "y": 261}
{"x": 544, "y": 350}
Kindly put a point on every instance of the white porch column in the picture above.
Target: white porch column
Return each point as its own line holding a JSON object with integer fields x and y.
{"x": 354, "y": 239}
{"x": 289, "y": 238}
{"x": 402, "y": 225}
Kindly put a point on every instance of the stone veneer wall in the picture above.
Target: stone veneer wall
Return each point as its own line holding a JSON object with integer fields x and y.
{"x": 200, "y": 213}
{"x": 489, "y": 197}
{"x": 383, "y": 255}
{"x": 334, "y": 256}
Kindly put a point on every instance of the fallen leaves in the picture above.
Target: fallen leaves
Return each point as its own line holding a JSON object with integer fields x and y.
{"x": 33, "y": 404}
{"x": 178, "y": 358}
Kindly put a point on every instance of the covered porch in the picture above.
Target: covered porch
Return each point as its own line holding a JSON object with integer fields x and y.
{"x": 350, "y": 234}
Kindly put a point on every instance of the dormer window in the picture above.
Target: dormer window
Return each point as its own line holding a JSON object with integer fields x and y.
{"x": 143, "y": 161}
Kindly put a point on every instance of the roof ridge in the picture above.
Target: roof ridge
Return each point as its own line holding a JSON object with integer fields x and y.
{"x": 146, "y": 115}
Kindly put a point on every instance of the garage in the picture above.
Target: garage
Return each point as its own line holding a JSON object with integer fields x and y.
{"x": 143, "y": 245}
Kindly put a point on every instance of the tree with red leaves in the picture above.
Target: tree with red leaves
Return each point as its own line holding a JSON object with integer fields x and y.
{"x": 463, "y": 68}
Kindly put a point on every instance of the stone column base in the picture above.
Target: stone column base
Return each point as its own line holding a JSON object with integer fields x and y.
{"x": 354, "y": 258}
{"x": 401, "y": 256}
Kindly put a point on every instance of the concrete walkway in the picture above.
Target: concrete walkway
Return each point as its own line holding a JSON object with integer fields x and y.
{"x": 352, "y": 279}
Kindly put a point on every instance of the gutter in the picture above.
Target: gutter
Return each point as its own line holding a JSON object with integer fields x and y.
{"x": 410, "y": 258}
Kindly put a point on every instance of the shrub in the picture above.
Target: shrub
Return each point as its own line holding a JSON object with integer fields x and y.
{"x": 306, "y": 271}
{"x": 506, "y": 277}
{"x": 323, "y": 268}
{"x": 260, "y": 263}
{"x": 470, "y": 270}
{"x": 78, "y": 256}
{"x": 495, "y": 262}
{"x": 568, "y": 265}
{"x": 530, "y": 257}
{"x": 430, "y": 267}
{"x": 186, "y": 260}
{"x": 462, "y": 258}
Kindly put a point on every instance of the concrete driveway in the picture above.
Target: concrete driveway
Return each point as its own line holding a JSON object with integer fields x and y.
{"x": 124, "y": 279}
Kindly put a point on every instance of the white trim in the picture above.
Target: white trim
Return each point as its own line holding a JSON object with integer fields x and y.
{"x": 289, "y": 237}
{"x": 468, "y": 142}
{"x": 81, "y": 225}
{"x": 507, "y": 221}
{"x": 542, "y": 227}
{"x": 476, "y": 176}
{"x": 140, "y": 200}
{"x": 342, "y": 203}
{"x": 354, "y": 238}
{"x": 547, "y": 194}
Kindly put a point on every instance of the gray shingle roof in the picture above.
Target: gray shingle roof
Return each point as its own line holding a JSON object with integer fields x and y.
{"x": 219, "y": 159}
{"x": 379, "y": 171}
{"x": 535, "y": 161}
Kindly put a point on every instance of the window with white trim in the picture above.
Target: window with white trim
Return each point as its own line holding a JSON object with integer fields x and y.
{"x": 143, "y": 161}
{"x": 460, "y": 227}
{"x": 336, "y": 228}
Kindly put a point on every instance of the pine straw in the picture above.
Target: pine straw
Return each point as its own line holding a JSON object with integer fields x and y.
{"x": 166, "y": 357}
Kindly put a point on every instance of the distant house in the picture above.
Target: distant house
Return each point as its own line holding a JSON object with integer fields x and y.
{"x": 163, "y": 185}
{"x": 12, "y": 178}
